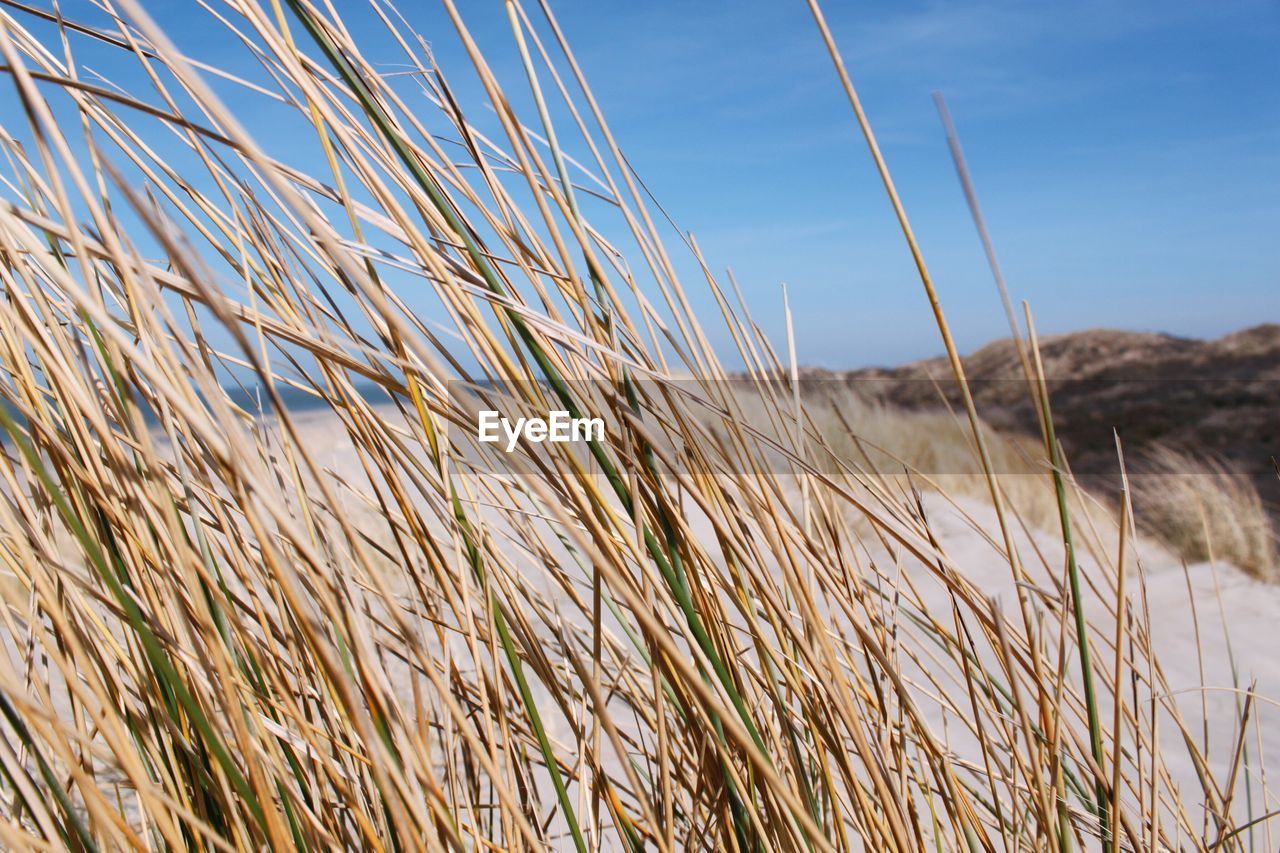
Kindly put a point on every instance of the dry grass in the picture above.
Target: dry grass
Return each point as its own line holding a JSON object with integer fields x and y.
{"x": 1201, "y": 509}
{"x": 221, "y": 635}
{"x": 938, "y": 450}
{"x": 1205, "y": 510}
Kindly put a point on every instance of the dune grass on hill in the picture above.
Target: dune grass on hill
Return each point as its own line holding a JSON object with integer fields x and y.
{"x": 226, "y": 627}
{"x": 1200, "y": 507}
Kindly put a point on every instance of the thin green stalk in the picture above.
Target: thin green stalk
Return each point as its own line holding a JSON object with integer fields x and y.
{"x": 1103, "y": 801}
{"x": 517, "y": 672}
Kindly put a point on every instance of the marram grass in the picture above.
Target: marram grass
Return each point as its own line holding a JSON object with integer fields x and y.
{"x": 226, "y": 627}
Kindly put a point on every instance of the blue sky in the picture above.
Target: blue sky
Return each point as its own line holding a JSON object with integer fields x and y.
{"x": 1127, "y": 154}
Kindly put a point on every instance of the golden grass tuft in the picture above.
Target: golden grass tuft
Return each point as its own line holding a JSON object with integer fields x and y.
{"x": 1199, "y": 508}
{"x": 1205, "y": 509}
